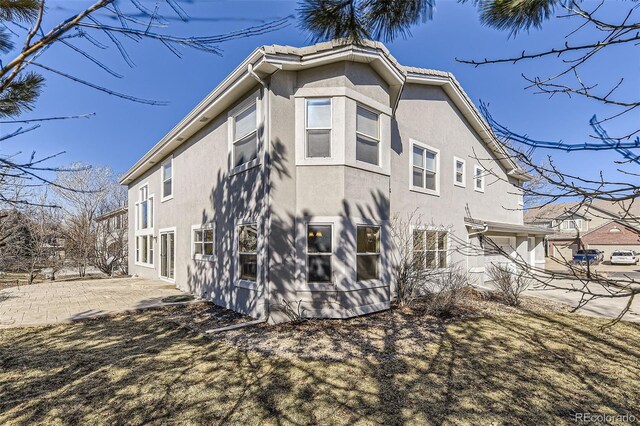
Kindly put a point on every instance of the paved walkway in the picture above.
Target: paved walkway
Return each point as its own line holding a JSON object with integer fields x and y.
{"x": 58, "y": 302}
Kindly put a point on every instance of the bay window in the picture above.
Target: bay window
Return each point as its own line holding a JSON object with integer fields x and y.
{"x": 318, "y": 128}
{"x": 319, "y": 253}
{"x": 367, "y": 136}
{"x": 367, "y": 253}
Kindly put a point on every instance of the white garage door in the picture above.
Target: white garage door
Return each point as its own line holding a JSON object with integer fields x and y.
{"x": 494, "y": 256}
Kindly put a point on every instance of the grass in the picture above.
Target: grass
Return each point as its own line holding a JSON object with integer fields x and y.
{"x": 15, "y": 279}
{"x": 517, "y": 368}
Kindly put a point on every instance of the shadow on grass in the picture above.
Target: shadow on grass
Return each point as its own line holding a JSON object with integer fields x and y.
{"x": 141, "y": 369}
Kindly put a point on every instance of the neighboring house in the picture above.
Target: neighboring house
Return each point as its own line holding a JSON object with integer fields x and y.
{"x": 112, "y": 239}
{"x": 278, "y": 188}
{"x": 602, "y": 225}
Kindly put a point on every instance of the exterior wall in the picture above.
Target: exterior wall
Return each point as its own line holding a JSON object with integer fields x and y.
{"x": 204, "y": 192}
{"x": 427, "y": 115}
{"x": 334, "y": 191}
{"x": 607, "y": 241}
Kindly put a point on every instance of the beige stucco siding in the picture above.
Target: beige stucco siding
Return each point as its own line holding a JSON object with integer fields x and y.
{"x": 203, "y": 192}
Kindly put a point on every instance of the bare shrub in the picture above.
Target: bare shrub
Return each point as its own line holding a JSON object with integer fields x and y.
{"x": 509, "y": 283}
{"x": 445, "y": 290}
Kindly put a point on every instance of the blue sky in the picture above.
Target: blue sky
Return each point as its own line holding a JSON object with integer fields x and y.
{"x": 122, "y": 131}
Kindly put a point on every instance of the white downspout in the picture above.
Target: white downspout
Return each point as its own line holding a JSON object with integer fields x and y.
{"x": 267, "y": 167}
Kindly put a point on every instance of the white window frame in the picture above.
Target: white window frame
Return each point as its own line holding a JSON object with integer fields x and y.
{"x": 378, "y": 140}
{"x": 447, "y": 251}
{"x": 379, "y": 254}
{"x": 462, "y": 184}
{"x": 433, "y": 150}
{"x": 307, "y": 128}
{"x": 148, "y": 232}
{"x": 163, "y": 179}
{"x": 482, "y": 176}
{"x": 203, "y": 227}
{"x": 577, "y": 224}
{"x": 171, "y": 230}
{"x": 306, "y": 252}
{"x": 253, "y": 98}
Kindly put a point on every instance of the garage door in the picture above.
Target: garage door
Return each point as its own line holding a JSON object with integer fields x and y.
{"x": 494, "y": 256}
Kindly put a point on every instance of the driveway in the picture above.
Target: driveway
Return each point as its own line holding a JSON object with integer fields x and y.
{"x": 601, "y": 307}
{"x": 57, "y": 302}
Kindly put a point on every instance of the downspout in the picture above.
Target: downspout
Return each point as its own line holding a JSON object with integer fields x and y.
{"x": 267, "y": 172}
{"x": 485, "y": 228}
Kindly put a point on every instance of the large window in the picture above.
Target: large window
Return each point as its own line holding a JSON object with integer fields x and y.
{"x": 145, "y": 209}
{"x": 144, "y": 227}
{"x": 478, "y": 178}
{"x": 248, "y": 252}
{"x": 319, "y": 253}
{"x": 245, "y": 135}
{"x": 318, "y": 128}
{"x": 367, "y": 136}
{"x": 144, "y": 249}
{"x": 203, "y": 241}
{"x": 368, "y": 253}
{"x": 430, "y": 248}
{"x": 459, "y": 172}
{"x": 167, "y": 179}
{"x": 425, "y": 168}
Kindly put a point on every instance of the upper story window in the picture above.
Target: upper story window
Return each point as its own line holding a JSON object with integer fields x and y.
{"x": 145, "y": 209}
{"x": 367, "y": 136}
{"x": 478, "y": 178}
{"x": 571, "y": 224}
{"x": 245, "y": 135}
{"x": 167, "y": 179}
{"x": 318, "y": 128}
{"x": 459, "y": 172}
{"x": 319, "y": 253}
{"x": 368, "y": 253}
{"x": 425, "y": 168}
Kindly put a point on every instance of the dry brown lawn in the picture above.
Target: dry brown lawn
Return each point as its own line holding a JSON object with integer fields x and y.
{"x": 514, "y": 367}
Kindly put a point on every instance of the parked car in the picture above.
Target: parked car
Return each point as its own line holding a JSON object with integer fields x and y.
{"x": 590, "y": 255}
{"x": 624, "y": 257}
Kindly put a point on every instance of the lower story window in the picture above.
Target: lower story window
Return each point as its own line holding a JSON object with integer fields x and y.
{"x": 319, "y": 253}
{"x": 144, "y": 249}
{"x": 203, "y": 242}
{"x": 248, "y": 251}
{"x": 430, "y": 248}
{"x": 368, "y": 253}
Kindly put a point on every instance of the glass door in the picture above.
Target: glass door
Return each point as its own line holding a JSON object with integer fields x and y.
{"x": 167, "y": 255}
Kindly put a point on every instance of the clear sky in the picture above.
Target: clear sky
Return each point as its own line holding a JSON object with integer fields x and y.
{"x": 122, "y": 131}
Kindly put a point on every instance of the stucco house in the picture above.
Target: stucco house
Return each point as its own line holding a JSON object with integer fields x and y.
{"x": 278, "y": 188}
{"x": 600, "y": 224}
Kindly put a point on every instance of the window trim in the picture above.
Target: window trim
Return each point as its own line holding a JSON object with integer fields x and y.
{"x": 253, "y": 98}
{"x": 482, "y": 176}
{"x": 170, "y": 230}
{"x": 146, "y": 232}
{"x": 202, "y": 227}
{"x": 379, "y": 253}
{"x": 307, "y": 128}
{"x": 436, "y": 151}
{"x": 378, "y": 140}
{"x": 163, "y": 180}
{"x": 306, "y": 253}
{"x": 448, "y": 250}
{"x": 462, "y": 184}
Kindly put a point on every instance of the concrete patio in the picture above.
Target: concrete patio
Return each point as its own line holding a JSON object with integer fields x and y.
{"x": 58, "y": 302}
